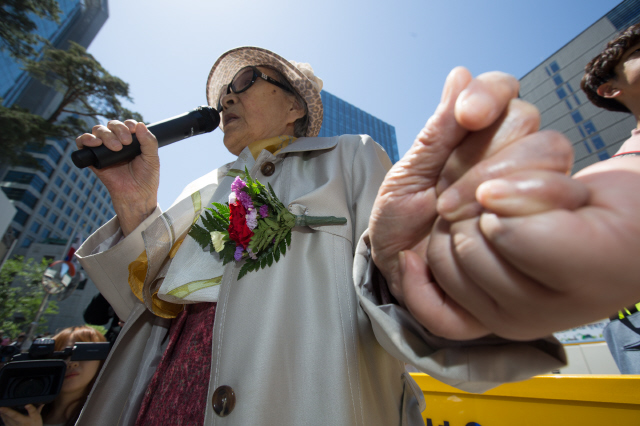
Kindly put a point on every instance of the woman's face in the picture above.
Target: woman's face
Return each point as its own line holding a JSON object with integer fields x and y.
{"x": 79, "y": 374}
{"x": 262, "y": 111}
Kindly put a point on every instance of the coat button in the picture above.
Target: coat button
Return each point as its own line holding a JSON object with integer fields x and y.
{"x": 268, "y": 168}
{"x": 223, "y": 401}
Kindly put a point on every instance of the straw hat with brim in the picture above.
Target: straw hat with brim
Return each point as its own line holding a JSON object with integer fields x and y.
{"x": 232, "y": 61}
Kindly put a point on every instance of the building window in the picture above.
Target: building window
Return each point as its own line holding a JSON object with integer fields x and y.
{"x": 577, "y": 117}
{"x": 21, "y": 216}
{"x": 81, "y": 184}
{"x": 93, "y": 179}
{"x": 557, "y": 79}
{"x": 58, "y": 181}
{"x": 99, "y": 205}
{"x": 86, "y": 173}
{"x": 93, "y": 199}
{"x": 21, "y": 195}
{"x": 69, "y": 230}
{"x": 66, "y": 168}
{"x": 67, "y": 190}
{"x": 47, "y": 169}
{"x": 75, "y": 217}
{"x": 53, "y": 218}
{"x": 60, "y": 204}
{"x": 53, "y": 153}
{"x": 45, "y": 233}
{"x": 74, "y": 176}
{"x": 43, "y": 211}
{"x": 81, "y": 204}
{"x": 93, "y": 218}
{"x": 88, "y": 211}
{"x": 27, "y": 242}
{"x": 597, "y": 142}
{"x": 62, "y": 225}
{"x": 68, "y": 211}
{"x": 589, "y": 127}
{"x": 35, "y": 227}
{"x": 51, "y": 196}
{"x": 561, "y": 93}
{"x": 74, "y": 197}
{"x": 26, "y": 178}
{"x": 554, "y": 67}
{"x": 87, "y": 191}
{"x": 62, "y": 143}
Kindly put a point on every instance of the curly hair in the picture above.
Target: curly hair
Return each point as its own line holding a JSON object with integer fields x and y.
{"x": 602, "y": 68}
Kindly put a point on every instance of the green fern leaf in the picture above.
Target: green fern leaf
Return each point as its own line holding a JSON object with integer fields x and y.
{"x": 200, "y": 235}
{"x": 227, "y": 252}
{"x": 243, "y": 271}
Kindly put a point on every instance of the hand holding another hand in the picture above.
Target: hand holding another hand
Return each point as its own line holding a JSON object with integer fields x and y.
{"x": 479, "y": 229}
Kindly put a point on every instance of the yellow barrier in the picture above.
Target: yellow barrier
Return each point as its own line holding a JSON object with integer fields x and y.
{"x": 549, "y": 400}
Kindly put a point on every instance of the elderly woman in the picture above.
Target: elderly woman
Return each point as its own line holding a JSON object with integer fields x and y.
{"x": 317, "y": 337}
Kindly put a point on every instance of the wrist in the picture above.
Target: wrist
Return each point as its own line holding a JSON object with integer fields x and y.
{"x": 131, "y": 216}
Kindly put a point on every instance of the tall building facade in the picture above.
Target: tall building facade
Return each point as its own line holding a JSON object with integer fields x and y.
{"x": 50, "y": 203}
{"x": 554, "y": 87}
{"x": 53, "y": 203}
{"x": 341, "y": 118}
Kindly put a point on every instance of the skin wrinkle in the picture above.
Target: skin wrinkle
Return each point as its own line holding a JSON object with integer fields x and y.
{"x": 505, "y": 319}
{"x": 556, "y": 154}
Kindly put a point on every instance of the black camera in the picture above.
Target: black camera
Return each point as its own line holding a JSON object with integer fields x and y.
{"x": 36, "y": 377}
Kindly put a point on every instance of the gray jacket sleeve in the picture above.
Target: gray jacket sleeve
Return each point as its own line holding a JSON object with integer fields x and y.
{"x": 473, "y": 366}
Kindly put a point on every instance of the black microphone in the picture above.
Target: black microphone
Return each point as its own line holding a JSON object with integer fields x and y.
{"x": 203, "y": 119}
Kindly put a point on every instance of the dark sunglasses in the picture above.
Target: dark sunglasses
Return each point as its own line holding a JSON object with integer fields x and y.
{"x": 245, "y": 79}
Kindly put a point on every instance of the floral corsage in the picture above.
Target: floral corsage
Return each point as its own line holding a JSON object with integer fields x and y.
{"x": 253, "y": 226}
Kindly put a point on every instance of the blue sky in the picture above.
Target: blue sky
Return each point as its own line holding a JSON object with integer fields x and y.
{"x": 389, "y": 58}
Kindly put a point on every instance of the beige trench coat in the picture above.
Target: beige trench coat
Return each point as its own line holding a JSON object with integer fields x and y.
{"x": 309, "y": 340}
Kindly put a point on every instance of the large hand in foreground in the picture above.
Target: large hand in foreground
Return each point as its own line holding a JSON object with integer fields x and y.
{"x": 555, "y": 252}
{"x": 133, "y": 186}
{"x": 478, "y": 132}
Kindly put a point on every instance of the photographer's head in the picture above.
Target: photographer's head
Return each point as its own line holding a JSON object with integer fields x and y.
{"x": 611, "y": 78}
{"x": 80, "y": 375}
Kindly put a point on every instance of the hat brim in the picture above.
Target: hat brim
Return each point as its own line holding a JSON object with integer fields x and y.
{"x": 229, "y": 63}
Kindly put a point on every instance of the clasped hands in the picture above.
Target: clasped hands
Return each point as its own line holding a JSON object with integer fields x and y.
{"x": 479, "y": 229}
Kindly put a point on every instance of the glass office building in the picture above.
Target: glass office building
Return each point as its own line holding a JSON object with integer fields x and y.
{"x": 554, "y": 87}
{"x": 59, "y": 199}
{"x": 50, "y": 202}
{"x": 342, "y": 118}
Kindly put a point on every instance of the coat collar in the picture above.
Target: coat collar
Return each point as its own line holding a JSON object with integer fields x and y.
{"x": 310, "y": 144}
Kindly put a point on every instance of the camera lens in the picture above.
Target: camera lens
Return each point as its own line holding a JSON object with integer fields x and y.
{"x": 28, "y": 387}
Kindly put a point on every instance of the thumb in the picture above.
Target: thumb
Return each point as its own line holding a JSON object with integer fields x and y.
{"x": 148, "y": 141}
{"x": 433, "y": 145}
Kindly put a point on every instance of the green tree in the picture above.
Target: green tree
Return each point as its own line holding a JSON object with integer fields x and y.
{"x": 21, "y": 295}
{"x": 87, "y": 89}
{"x": 17, "y": 26}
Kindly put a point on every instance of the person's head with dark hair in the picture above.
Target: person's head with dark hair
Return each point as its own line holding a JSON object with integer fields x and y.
{"x": 612, "y": 78}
